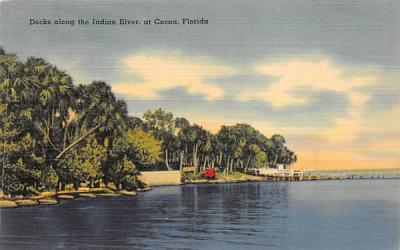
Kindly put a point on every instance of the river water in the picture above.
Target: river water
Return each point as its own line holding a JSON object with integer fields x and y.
{"x": 339, "y": 214}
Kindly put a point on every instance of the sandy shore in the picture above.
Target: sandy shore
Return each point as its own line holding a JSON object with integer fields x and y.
{"x": 160, "y": 178}
{"x": 6, "y": 203}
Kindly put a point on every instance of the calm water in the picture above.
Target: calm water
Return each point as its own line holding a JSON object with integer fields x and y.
{"x": 346, "y": 214}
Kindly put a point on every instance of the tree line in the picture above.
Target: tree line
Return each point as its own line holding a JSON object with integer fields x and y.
{"x": 54, "y": 133}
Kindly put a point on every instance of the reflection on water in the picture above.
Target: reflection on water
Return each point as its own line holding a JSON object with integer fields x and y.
{"x": 358, "y": 214}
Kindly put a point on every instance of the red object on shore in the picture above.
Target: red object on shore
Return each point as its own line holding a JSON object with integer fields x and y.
{"x": 209, "y": 173}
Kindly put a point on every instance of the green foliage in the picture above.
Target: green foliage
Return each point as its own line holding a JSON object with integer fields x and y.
{"x": 55, "y": 133}
{"x": 68, "y": 169}
{"x": 22, "y": 179}
{"x": 191, "y": 176}
{"x": 123, "y": 174}
{"x": 135, "y": 148}
{"x": 144, "y": 149}
{"x": 49, "y": 178}
{"x": 83, "y": 164}
{"x": 159, "y": 121}
{"x": 260, "y": 157}
{"x": 139, "y": 146}
{"x": 92, "y": 157}
{"x": 233, "y": 175}
{"x": 233, "y": 148}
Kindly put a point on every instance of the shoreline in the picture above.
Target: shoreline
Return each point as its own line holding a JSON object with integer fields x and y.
{"x": 53, "y": 198}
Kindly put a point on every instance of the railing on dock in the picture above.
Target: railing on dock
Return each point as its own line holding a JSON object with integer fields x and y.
{"x": 295, "y": 175}
{"x": 343, "y": 176}
{"x": 280, "y": 174}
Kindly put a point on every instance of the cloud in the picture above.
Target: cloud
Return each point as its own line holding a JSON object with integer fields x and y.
{"x": 293, "y": 74}
{"x": 380, "y": 132}
{"x": 157, "y": 72}
{"x": 375, "y": 139}
{"x": 318, "y": 74}
{"x": 348, "y": 127}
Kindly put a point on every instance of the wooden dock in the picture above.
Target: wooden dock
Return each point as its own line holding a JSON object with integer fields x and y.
{"x": 293, "y": 175}
{"x": 281, "y": 175}
{"x": 347, "y": 176}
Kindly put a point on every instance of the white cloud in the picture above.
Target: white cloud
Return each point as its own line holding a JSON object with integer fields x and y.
{"x": 163, "y": 71}
{"x": 319, "y": 74}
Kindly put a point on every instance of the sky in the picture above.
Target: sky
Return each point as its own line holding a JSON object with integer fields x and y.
{"x": 324, "y": 74}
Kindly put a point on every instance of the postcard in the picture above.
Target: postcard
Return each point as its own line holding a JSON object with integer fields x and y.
{"x": 200, "y": 124}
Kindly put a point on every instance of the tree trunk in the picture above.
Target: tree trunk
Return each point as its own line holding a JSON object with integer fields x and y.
{"x": 65, "y": 136}
{"x": 275, "y": 160}
{"x": 77, "y": 141}
{"x": 166, "y": 159}
{"x": 204, "y": 163}
{"x": 248, "y": 162}
{"x": 227, "y": 164}
{"x": 181, "y": 163}
{"x": 195, "y": 158}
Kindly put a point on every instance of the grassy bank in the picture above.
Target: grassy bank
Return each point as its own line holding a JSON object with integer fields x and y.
{"x": 221, "y": 178}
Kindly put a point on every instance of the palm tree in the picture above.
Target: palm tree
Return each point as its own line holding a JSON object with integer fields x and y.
{"x": 104, "y": 113}
{"x": 14, "y": 82}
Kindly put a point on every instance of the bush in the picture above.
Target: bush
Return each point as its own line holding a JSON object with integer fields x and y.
{"x": 191, "y": 176}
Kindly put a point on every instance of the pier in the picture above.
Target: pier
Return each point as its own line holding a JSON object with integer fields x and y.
{"x": 371, "y": 175}
{"x": 296, "y": 175}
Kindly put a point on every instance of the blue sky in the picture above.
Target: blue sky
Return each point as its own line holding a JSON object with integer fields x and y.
{"x": 325, "y": 74}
